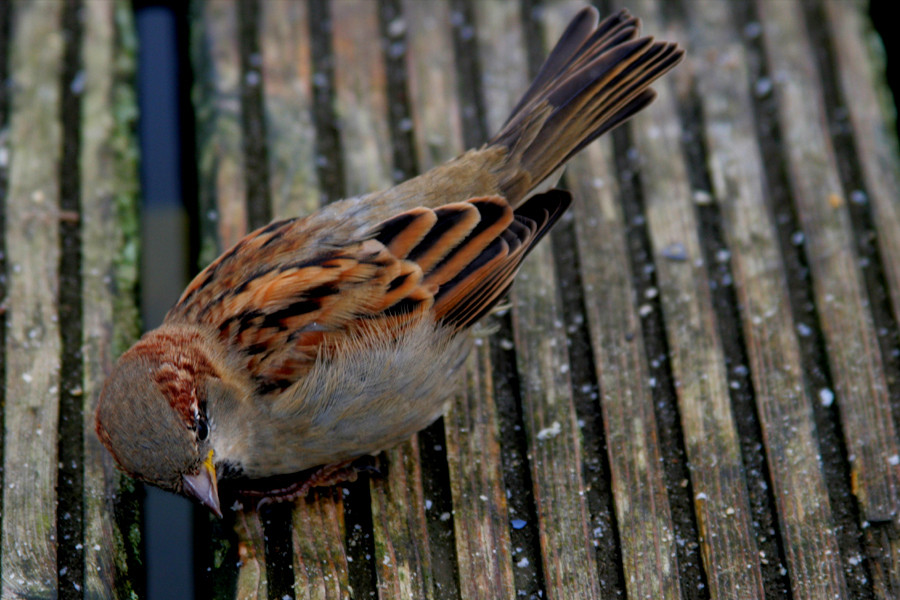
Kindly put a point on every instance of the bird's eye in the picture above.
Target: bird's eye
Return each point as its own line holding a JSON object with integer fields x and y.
{"x": 202, "y": 429}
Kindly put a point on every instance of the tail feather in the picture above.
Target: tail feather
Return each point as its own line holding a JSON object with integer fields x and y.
{"x": 583, "y": 31}
{"x": 595, "y": 78}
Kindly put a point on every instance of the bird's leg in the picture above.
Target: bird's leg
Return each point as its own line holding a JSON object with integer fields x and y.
{"x": 324, "y": 476}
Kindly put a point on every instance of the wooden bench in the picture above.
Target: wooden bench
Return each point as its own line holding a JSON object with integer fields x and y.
{"x": 693, "y": 394}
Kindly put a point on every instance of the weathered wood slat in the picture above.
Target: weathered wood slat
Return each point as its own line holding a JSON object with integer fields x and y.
{"x": 222, "y": 189}
{"x": 287, "y": 80}
{"x": 883, "y": 549}
{"x": 481, "y": 524}
{"x": 555, "y": 450}
{"x": 432, "y": 82}
{"x": 554, "y": 439}
{"x": 403, "y": 556}
{"x": 854, "y": 357}
{"x": 31, "y": 412}
{"x": 361, "y": 96}
{"x": 320, "y": 559}
{"x": 109, "y": 277}
{"x": 698, "y": 366}
{"x": 737, "y": 175}
{"x": 252, "y": 582}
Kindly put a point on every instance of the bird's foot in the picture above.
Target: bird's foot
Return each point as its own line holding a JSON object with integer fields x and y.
{"x": 324, "y": 476}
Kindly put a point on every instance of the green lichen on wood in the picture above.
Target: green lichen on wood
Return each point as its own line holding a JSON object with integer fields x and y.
{"x": 125, "y": 152}
{"x": 126, "y": 273}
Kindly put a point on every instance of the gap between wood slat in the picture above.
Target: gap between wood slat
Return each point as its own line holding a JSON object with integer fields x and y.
{"x": 5, "y": 52}
{"x": 253, "y": 117}
{"x": 274, "y": 547}
{"x": 393, "y": 31}
{"x": 70, "y": 457}
{"x": 329, "y": 154}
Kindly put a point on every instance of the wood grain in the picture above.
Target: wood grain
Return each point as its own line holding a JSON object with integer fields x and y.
{"x": 432, "y": 82}
{"x": 31, "y": 414}
{"x": 871, "y": 117}
{"x": 320, "y": 558}
{"x": 862, "y": 79}
{"x": 252, "y": 583}
{"x": 481, "y": 522}
{"x": 402, "y": 553}
{"x": 361, "y": 96}
{"x": 287, "y": 80}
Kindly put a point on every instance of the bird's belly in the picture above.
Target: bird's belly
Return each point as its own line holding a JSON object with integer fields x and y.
{"x": 356, "y": 404}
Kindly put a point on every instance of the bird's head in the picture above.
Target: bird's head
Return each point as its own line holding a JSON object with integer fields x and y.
{"x": 152, "y": 415}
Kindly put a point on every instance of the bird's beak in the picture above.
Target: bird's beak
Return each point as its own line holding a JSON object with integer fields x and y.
{"x": 204, "y": 486}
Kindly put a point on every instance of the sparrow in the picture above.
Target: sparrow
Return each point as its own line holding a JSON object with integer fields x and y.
{"x": 321, "y": 339}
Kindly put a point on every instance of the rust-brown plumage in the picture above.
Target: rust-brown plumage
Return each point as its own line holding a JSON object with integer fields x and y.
{"x": 449, "y": 264}
{"x": 319, "y": 339}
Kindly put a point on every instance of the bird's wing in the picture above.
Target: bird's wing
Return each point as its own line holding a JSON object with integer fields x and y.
{"x": 279, "y": 313}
